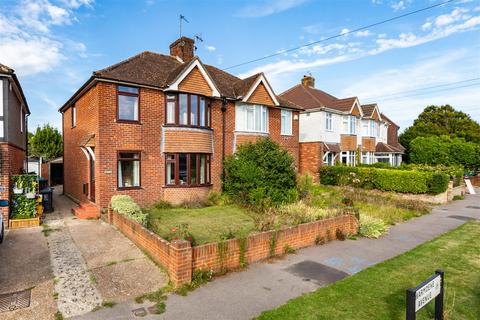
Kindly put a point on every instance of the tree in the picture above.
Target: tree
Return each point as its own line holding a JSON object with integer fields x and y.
{"x": 441, "y": 120}
{"x": 46, "y": 143}
{"x": 260, "y": 175}
{"x": 444, "y": 150}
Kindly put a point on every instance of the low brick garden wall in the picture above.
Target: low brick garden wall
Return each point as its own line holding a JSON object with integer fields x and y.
{"x": 181, "y": 259}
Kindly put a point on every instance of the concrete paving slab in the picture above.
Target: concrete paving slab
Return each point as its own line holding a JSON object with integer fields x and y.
{"x": 126, "y": 280}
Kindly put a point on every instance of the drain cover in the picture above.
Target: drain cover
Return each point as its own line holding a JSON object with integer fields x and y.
{"x": 317, "y": 272}
{"x": 15, "y": 300}
{"x": 473, "y": 207}
{"x": 464, "y": 218}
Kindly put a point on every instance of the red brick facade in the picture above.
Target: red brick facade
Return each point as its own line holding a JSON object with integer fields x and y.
{"x": 96, "y": 115}
{"x": 311, "y": 158}
{"x": 180, "y": 259}
{"x": 12, "y": 158}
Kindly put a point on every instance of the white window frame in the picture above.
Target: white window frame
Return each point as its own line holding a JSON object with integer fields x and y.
{"x": 328, "y": 121}
{"x": 351, "y": 157}
{"x": 242, "y": 112}
{"x": 349, "y": 125}
{"x": 21, "y": 119}
{"x": 286, "y": 122}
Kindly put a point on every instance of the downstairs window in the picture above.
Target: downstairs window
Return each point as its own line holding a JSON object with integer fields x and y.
{"x": 187, "y": 169}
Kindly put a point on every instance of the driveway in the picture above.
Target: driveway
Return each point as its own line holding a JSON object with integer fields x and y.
{"x": 264, "y": 286}
{"x": 74, "y": 267}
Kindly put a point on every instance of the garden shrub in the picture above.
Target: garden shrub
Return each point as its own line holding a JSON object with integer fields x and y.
{"x": 397, "y": 180}
{"x": 371, "y": 227}
{"x": 214, "y": 198}
{"x": 125, "y": 205}
{"x": 438, "y": 183}
{"x": 260, "y": 175}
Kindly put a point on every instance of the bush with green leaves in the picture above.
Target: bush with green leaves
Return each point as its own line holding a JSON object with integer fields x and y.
{"x": 260, "y": 175}
{"x": 125, "y": 205}
{"x": 371, "y": 227}
{"x": 403, "y": 181}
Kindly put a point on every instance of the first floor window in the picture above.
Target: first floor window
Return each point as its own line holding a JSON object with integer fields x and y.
{"x": 188, "y": 110}
{"x": 128, "y": 169}
{"x": 251, "y": 117}
{"x": 171, "y": 105}
{"x": 286, "y": 125}
{"x": 187, "y": 169}
{"x": 127, "y": 103}
{"x": 328, "y": 121}
{"x": 74, "y": 117}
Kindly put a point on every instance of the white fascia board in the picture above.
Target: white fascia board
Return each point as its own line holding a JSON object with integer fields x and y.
{"x": 357, "y": 103}
{"x": 184, "y": 74}
{"x": 261, "y": 79}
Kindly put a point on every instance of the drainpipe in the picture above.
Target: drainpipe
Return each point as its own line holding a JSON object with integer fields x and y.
{"x": 224, "y": 113}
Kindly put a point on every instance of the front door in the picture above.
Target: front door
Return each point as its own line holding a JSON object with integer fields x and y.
{"x": 92, "y": 177}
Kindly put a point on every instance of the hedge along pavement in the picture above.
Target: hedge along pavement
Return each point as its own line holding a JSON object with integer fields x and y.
{"x": 404, "y": 181}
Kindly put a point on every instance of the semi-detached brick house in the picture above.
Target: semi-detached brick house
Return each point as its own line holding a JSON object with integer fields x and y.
{"x": 13, "y": 132}
{"x": 341, "y": 130}
{"x": 156, "y": 127}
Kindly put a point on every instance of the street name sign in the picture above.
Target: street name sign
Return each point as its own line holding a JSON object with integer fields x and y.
{"x": 421, "y": 295}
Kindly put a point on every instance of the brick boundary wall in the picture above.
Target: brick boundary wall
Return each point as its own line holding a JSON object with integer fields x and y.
{"x": 181, "y": 260}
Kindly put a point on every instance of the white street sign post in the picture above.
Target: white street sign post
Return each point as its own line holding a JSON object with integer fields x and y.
{"x": 421, "y": 295}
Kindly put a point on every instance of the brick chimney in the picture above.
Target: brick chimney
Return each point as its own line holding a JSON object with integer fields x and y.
{"x": 308, "y": 81}
{"x": 183, "y": 48}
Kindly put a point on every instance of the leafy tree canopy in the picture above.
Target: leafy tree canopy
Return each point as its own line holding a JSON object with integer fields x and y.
{"x": 46, "y": 143}
{"x": 442, "y": 120}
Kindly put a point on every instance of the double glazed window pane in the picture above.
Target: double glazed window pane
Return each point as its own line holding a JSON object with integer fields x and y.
{"x": 286, "y": 122}
{"x": 202, "y": 112}
{"x": 129, "y": 170}
{"x": 128, "y": 107}
{"x": 183, "y": 108}
{"x": 193, "y": 110}
{"x": 170, "y": 109}
{"x": 182, "y": 169}
{"x": 251, "y": 118}
{"x": 170, "y": 169}
{"x": 193, "y": 168}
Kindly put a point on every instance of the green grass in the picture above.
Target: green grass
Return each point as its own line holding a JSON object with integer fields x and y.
{"x": 378, "y": 292}
{"x": 206, "y": 224}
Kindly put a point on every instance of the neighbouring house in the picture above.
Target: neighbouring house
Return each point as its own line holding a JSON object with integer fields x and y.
{"x": 157, "y": 127}
{"x": 52, "y": 171}
{"x": 13, "y": 132}
{"x": 341, "y": 130}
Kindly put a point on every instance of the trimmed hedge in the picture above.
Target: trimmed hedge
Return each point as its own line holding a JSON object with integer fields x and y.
{"x": 125, "y": 205}
{"x": 404, "y": 181}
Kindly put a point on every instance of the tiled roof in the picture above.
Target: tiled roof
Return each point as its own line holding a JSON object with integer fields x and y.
{"x": 344, "y": 105}
{"x": 368, "y": 109}
{"x": 384, "y": 147}
{"x": 384, "y": 117}
{"x": 158, "y": 70}
{"x": 332, "y": 147}
{"x": 307, "y": 97}
{"x": 5, "y": 69}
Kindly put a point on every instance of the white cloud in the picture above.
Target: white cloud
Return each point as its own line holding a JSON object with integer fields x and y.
{"x": 363, "y": 33}
{"x": 389, "y": 88}
{"x": 210, "y": 48}
{"x": 269, "y": 7}
{"x": 27, "y": 42}
{"x": 446, "y": 19}
{"x": 397, "y": 6}
{"x": 426, "y": 26}
{"x": 344, "y": 31}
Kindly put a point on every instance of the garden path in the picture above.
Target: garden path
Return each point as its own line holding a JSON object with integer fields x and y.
{"x": 264, "y": 286}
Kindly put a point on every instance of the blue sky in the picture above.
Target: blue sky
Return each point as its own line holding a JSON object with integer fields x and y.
{"x": 54, "y": 45}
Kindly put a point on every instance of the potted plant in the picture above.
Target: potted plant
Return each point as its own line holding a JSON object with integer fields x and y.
{"x": 18, "y": 187}
{"x": 30, "y": 194}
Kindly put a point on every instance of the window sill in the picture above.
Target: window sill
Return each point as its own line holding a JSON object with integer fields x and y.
{"x": 172, "y": 125}
{"x": 188, "y": 186}
{"x": 128, "y": 188}
{"x": 128, "y": 121}
{"x": 253, "y": 132}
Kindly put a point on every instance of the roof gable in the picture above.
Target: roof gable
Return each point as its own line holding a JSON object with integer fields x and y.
{"x": 194, "y": 82}
{"x": 261, "y": 92}
{"x": 197, "y": 74}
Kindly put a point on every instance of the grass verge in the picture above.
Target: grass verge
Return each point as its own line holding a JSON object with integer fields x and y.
{"x": 378, "y": 292}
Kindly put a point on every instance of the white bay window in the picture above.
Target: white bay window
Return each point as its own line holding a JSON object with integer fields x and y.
{"x": 251, "y": 118}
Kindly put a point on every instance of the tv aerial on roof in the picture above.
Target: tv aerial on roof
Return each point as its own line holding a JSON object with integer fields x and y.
{"x": 182, "y": 18}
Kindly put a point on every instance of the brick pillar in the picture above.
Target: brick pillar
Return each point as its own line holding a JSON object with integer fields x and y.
{"x": 180, "y": 262}
{"x": 311, "y": 158}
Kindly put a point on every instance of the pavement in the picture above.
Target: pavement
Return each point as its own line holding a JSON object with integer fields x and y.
{"x": 79, "y": 265}
{"x": 264, "y": 286}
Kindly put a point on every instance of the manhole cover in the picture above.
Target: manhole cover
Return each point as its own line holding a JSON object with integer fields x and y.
{"x": 317, "y": 272}
{"x": 464, "y": 218}
{"x": 15, "y": 300}
{"x": 473, "y": 207}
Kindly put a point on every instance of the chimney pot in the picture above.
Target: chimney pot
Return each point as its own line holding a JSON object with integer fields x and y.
{"x": 308, "y": 81}
{"x": 183, "y": 48}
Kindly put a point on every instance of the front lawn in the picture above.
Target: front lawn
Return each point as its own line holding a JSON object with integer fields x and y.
{"x": 379, "y": 291}
{"x": 207, "y": 224}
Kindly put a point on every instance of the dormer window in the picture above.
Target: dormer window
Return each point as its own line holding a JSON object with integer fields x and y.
{"x": 127, "y": 108}
{"x": 188, "y": 110}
